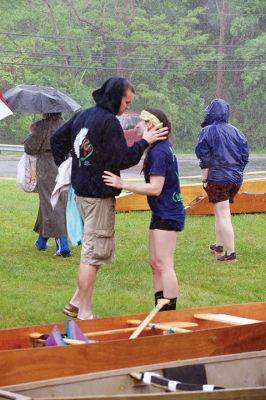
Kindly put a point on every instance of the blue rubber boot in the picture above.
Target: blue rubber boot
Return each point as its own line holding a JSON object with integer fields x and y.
{"x": 41, "y": 243}
{"x": 62, "y": 247}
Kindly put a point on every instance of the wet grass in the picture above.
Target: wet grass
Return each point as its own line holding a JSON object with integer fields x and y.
{"x": 36, "y": 285}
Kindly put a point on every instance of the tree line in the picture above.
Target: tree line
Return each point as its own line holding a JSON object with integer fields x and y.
{"x": 179, "y": 54}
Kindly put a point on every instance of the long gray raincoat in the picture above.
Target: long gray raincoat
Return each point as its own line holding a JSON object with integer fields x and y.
{"x": 49, "y": 223}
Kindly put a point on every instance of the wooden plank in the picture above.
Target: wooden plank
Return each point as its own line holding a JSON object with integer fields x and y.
{"x": 227, "y": 319}
{"x": 25, "y": 365}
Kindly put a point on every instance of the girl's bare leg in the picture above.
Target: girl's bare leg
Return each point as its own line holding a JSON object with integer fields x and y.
{"x": 162, "y": 246}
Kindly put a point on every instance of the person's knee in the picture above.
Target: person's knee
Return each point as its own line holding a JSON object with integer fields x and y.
{"x": 160, "y": 264}
{"x": 156, "y": 265}
{"x": 152, "y": 263}
{"x": 222, "y": 209}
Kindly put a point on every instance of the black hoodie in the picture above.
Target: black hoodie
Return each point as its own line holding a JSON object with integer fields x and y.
{"x": 96, "y": 141}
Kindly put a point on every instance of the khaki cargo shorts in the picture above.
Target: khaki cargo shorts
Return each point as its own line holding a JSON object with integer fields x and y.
{"x": 98, "y": 245}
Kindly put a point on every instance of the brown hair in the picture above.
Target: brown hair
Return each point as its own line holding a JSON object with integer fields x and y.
{"x": 128, "y": 86}
{"x": 166, "y": 123}
{"x": 52, "y": 115}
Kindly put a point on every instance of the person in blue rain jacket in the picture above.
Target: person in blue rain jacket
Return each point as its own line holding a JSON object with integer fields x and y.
{"x": 223, "y": 153}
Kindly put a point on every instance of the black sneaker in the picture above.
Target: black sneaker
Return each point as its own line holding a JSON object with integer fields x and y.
{"x": 217, "y": 250}
{"x": 227, "y": 257}
{"x": 64, "y": 254}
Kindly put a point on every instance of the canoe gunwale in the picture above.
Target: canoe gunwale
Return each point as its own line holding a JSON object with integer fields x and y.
{"x": 149, "y": 367}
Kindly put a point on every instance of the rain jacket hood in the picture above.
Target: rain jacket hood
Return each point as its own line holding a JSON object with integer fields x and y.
{"x": 221, "y": 147}
{"x": 96, "y": 141}
{"x": 109, "y": 96}
{"x": 217, "y": 111}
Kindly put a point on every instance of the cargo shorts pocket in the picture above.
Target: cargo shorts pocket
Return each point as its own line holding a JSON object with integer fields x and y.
{"x": 103, "y": 243}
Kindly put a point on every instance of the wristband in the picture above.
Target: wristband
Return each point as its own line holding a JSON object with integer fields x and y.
{"x": 204, "y": 180}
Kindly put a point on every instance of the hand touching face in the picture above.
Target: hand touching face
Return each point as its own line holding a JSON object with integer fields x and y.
{"x": 141, "y": 127}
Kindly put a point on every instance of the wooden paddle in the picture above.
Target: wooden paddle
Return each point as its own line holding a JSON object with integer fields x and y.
{"x": 150, "y": 316}
{"x": 165, "y": 326}
{"x": 143, "y": 325}
{"x": 227, "y": 319}
{"x": 194, "y": 202}
{"x": 41, "y": 337}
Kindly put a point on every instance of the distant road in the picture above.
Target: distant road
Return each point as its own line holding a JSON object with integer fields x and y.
{"x": 188, "y": 166}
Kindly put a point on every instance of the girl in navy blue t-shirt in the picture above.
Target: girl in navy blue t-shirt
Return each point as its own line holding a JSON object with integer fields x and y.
{"x": 162, "y": 188}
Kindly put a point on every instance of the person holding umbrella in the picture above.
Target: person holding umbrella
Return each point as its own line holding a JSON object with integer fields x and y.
{"x": 51, "y": 103}
{"x": 50, "y": 223}
{"x": 97, "y": 143}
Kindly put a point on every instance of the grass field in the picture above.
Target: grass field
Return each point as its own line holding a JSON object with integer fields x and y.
{"x": 36, "y": 285}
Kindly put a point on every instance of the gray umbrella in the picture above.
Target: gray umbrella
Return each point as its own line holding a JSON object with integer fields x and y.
{"x": 39, "y": 99}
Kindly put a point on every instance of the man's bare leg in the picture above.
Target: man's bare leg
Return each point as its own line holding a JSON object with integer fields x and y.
{"x": 75, "y": 298}
{"x": 86, "y": 281}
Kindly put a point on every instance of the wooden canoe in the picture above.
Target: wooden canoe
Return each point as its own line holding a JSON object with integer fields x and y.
{"x": 20, "y": 363}
{"x": 244, "y": 203}
{"x": 235, "y": 373}
{"x": 231, "y": 394}
{"x": 250, "y": 199}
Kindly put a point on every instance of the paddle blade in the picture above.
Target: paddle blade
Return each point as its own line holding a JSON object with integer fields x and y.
{"x": 55, "y": 338}
{"x": 74, "y": 332}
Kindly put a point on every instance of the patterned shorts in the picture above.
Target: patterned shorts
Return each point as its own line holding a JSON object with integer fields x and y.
{"x": 218, "y": 192}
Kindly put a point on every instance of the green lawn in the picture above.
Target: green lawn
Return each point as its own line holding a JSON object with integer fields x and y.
{"x": 36, "y": 285}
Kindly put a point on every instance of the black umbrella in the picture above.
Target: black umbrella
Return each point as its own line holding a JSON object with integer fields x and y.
{"x": 39, "y": 99}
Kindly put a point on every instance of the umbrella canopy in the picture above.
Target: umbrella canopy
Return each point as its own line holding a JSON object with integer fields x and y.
{"x": 4, "y": 109}
{"x": 39, "y": 99}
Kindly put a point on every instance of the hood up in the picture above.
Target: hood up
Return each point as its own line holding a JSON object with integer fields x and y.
{"x": 217, "y": 111}
{"x": 109, "y": 96}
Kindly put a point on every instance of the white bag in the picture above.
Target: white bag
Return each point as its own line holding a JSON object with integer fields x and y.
{"x": 26, "y": 173}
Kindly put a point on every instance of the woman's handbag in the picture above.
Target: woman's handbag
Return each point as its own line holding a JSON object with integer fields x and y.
{"x": 26, "y": 173}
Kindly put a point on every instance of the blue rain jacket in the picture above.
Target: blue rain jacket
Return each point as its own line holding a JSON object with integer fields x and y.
{"x": 221, "y": 147}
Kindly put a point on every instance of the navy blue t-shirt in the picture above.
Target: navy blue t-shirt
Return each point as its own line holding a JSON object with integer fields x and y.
{"x": 169, "y": 204}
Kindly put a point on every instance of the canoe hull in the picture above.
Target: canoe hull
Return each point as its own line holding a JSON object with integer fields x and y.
{"x": 234, "y": 394}
{"x": 245, "y": 371}
{"x": 20, "y": 362}
{"x": 19, "y": 338}
{"x": 250, "y": 199}
{"x": 26, "y": 365}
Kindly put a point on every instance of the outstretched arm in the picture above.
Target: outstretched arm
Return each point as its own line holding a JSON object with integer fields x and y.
{"x": 153, "y": 188}
{"x": 124, "y": 157}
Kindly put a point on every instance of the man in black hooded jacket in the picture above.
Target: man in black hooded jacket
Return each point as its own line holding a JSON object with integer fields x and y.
{"x": 95, "y": 139}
